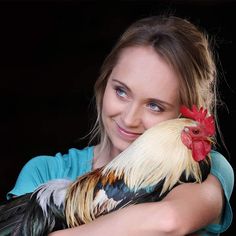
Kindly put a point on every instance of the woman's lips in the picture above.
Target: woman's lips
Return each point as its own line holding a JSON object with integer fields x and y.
{"x": 127, "y": 134}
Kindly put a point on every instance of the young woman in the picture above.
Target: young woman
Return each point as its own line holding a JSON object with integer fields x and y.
{"x": 158, "y": 64}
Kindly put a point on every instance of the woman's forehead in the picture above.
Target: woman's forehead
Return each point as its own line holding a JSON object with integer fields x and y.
{"x": 141, "y": 69}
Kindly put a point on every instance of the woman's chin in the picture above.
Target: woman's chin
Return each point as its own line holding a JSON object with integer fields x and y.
{"x": 119, "y": 146}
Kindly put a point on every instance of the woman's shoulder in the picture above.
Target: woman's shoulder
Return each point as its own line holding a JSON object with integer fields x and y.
{"x": 43, "y": 168}
{"x": 72, "y": 163}
{"x": 73, "y": 154}
{"x": 222, "y": 169}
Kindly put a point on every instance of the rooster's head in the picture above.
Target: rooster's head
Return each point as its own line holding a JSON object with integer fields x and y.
{"x": 198, "y": 138}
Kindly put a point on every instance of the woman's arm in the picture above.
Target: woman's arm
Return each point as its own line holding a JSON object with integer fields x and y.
{"x": 196, "y": 205}
{"x": 187, "y": 208}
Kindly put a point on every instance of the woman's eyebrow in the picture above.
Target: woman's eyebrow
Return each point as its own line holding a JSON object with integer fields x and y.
{"x": 121, "y": 83}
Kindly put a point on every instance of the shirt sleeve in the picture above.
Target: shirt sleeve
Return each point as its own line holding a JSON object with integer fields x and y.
{"x": 35, "y": 172}
{"x": 41, "y": 169}
{"x": 223, "y": 171}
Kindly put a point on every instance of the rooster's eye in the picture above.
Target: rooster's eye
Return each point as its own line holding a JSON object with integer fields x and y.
{"x": 196, "y": 131}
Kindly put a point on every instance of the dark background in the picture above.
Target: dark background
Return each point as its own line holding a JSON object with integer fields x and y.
{"x": 50, "y": 55}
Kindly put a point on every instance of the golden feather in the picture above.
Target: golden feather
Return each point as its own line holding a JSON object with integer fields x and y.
{"x": 156, "y": 155}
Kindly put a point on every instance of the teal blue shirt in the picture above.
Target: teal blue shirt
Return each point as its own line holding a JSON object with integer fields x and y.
{"x": 78, "y": 162}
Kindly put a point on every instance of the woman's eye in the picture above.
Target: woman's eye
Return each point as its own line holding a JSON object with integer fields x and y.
{"x": 120, "y": 92}
{"x": 154, "y": 107}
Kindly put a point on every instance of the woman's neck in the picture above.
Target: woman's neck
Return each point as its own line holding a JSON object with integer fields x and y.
{"x": 103, "y": 157}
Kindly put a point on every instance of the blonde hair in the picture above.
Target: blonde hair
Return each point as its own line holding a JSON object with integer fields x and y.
{"x": 179, "y": 43}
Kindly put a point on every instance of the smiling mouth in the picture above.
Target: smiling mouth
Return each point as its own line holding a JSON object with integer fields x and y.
{"x": 127, "y": 134}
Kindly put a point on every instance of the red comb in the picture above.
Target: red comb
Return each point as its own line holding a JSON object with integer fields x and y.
{"x": 200, "y": 116}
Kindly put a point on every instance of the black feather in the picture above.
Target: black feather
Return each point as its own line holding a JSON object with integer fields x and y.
{"x": 11, "y": 213}
{"x": 35, "y": 222}
{"x": 23, "y": 216}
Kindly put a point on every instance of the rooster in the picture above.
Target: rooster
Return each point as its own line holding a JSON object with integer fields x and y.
{"x": 170, "y": 153}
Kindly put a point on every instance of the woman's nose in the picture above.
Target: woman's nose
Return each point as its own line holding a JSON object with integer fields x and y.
{"x": 131, "y": 115}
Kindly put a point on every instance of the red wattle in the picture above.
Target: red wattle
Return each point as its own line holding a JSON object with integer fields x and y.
{"x": 200, "y": 149}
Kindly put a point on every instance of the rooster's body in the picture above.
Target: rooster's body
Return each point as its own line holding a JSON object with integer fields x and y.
{"x": 168, "y": 154}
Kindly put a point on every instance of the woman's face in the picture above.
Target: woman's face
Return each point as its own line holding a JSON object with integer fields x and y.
{"x": 141, "y": 91}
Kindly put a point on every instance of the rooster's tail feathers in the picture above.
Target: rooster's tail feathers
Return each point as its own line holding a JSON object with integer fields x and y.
{"x": 52, "y": 192}
{"x": 45, "y": 210}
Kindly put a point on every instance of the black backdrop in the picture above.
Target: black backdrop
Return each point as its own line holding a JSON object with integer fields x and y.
{"x": 50, "y": 55}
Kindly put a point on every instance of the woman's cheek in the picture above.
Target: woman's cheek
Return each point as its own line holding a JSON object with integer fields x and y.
{"x": 111, "y": 104}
